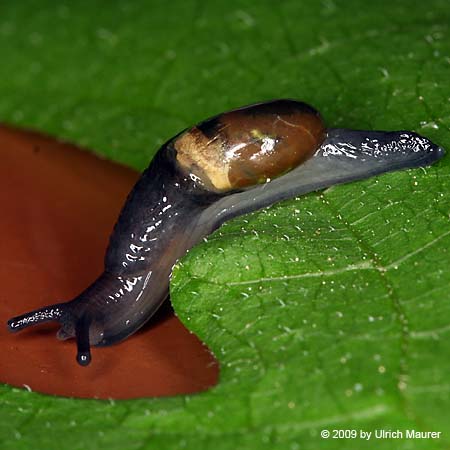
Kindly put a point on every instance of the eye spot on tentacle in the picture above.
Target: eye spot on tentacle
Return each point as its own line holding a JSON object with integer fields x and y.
{"x": 250, "y": 145}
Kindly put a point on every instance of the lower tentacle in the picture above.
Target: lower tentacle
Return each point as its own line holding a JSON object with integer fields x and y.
{"x": 49, "y": 313}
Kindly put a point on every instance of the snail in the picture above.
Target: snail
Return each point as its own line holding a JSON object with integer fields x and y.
{"x": 225, "y": 166}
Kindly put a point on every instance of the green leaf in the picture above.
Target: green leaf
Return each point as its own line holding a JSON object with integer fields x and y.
{"x": 327, "y": 311}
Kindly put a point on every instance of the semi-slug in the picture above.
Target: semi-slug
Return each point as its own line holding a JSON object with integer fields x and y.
{"x": 225, "y": 166}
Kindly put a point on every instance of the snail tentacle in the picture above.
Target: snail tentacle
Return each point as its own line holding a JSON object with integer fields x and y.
{"x": 82, "y": 336}
{"x": 50, "y": 313}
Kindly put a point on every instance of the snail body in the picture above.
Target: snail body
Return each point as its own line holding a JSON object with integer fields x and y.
{"x": 228, "y": 165}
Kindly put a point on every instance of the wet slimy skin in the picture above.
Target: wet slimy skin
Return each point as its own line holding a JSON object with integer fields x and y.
{"x": 228, "y": 165}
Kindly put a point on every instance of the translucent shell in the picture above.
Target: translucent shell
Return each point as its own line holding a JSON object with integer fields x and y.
{"x": 250, "y": 145}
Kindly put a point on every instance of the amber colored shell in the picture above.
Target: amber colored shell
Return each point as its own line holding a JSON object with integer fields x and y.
{"x": 250, "y": 145}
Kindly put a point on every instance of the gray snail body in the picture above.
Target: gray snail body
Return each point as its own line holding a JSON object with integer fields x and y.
{"x": 228, "y": 165}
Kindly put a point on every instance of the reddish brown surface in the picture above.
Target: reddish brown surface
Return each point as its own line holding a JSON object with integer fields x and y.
{"x": 58, "y": 206}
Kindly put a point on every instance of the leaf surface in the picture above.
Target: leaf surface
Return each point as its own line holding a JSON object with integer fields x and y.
{"x": 326, "y": 311}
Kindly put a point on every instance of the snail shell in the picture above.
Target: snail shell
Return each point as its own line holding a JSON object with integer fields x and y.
{"x": 250, "y": 145}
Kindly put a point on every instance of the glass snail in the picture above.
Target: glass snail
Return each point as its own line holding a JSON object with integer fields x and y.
{"x": 236, "y": 162}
